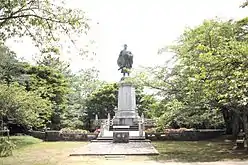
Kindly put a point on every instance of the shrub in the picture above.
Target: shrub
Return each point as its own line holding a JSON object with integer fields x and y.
{"x": 73, "y": 131}
{"x": 151, "y": 130}
{"x": 180, "y": 130}
{"x": 23, "y": 141}
{"x": 6, "y": 147}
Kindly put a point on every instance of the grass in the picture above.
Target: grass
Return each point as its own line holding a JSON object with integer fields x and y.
{"x": 201, "y": 151}
{"x": 32, "y": 151}
{"x": 23, "y": 141}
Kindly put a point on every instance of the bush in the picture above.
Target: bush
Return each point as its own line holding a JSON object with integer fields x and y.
{"x": 180, "y": 130}
{"x": 6, "y": 147}
{"x": 150, "y": 130}
{"x": 73, "y": 131}
{"x": 23, "y": 141}
{"x": 154, "y": 130}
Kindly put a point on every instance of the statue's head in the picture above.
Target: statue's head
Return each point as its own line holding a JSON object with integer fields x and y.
{"x": 125, "y": 46}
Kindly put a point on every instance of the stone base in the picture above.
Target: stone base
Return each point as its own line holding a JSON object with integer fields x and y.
{"x": 125, "y": 121}
{"x": 120, "y": 137}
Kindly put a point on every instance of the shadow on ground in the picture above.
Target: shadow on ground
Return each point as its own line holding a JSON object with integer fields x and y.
{"x": 200, "y": 151}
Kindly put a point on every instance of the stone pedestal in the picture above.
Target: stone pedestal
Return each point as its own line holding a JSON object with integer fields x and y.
{"x": 121, "y": 137}
{"x": 126, "y": 123}
{"x": 126, "y": 113}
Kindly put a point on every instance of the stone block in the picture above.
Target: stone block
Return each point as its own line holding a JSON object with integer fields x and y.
{"x": 52, "y": 136}
{"x": 120, "y": 137}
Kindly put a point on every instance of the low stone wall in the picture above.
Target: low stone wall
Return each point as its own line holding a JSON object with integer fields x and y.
{"x": 38, "y": 134}
{"x": 187, "y": 135}
{"x": 57, "y": 136}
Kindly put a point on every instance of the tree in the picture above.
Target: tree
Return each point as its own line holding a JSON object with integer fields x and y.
{"x": 45, "y": 21}
{"x": 101, "y": 102}
{"x": 82, "y": 84}
{"x": 22, "y": 107}
{"x": 51, "y": 85}
{"x": 56, "y": 63}
{"x": 212, "y": 57}
{"x": 208, "y": 81}
{"x": 10, "y": 68}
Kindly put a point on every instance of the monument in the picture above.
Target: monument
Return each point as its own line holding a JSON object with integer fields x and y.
{"x": 126, "y": 124}
{"x": 124, "y": 133}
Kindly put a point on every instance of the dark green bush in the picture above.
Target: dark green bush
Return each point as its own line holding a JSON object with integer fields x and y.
{"x": 6, "y": 147}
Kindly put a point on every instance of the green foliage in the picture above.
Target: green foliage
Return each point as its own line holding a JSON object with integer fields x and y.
{"x": 24, "y": 141}
{"x": 6, "y": 147}
{"x": 82, "y": 84}
{"x": 73, "y": 131}
{"x": 51, "y": 85}
{"x": 23, "y": 107}
{"x": 209, "y": 77}
{"x": 15, "y": 142}
{"x": 101, "y": 102}
{"x": 10, "y": 67}
{"x": 44, "y": 21}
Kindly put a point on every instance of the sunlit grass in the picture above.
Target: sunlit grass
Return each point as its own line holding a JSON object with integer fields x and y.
{"x": 201, "y": 151}
{"x": 32, "y": 151}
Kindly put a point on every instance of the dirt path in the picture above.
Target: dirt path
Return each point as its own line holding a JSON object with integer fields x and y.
{"x": 137, "y": 160}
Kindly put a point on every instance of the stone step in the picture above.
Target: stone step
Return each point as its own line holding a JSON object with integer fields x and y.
{"x": 131, "y": 128}
{"x": 130, "y": 138}
{"x": 124, "y": 129}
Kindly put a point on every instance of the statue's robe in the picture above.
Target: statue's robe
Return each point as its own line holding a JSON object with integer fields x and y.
{"x": 125, "y": 59}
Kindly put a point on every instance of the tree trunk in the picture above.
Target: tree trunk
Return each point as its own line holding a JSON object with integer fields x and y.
{"x": 228, "y": 120}
{"x": 235, "y": 124}
{"x": 245, "y": 123}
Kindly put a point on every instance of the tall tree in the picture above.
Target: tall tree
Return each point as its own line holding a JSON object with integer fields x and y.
{"x": 82, "y": 84}
{"x": 51, "y": 85}
{"x": 45, "y": 21}
{"x": 10, "y": 68}
{"x": 208, "y": 79}
{"x": 23, "y": 108}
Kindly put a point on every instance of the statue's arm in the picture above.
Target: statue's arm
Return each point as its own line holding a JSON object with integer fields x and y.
{"x": 120, "y": 53}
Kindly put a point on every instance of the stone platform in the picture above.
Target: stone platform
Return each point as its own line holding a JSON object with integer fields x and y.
{"x": 109, "y": 148}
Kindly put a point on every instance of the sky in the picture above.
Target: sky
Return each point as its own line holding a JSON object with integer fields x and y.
{"x": 144, "y": 25}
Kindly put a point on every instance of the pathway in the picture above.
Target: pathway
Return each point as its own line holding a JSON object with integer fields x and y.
{"x": 109, "y": 148}
{"x": 135, "y": 160}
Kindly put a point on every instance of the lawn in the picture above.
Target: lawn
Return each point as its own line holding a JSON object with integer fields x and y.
{"x": 31, "y": 151}
{"x": 201, "y": 151}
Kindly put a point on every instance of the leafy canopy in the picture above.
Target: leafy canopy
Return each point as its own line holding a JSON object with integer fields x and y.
{"x": 46, "y": 22}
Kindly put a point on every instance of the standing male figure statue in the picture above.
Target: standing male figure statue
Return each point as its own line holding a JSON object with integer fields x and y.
{"x": 125, "y": 61}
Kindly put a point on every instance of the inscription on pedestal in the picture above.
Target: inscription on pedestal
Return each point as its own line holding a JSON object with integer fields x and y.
{"x": 120, "y": 137}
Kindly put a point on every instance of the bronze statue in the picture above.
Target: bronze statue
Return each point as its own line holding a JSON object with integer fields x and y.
{"x": 125, "y": 61}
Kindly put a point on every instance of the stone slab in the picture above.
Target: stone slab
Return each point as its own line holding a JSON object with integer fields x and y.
{"x": 109, "y": 148}
{"x": 121, "y": 126}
